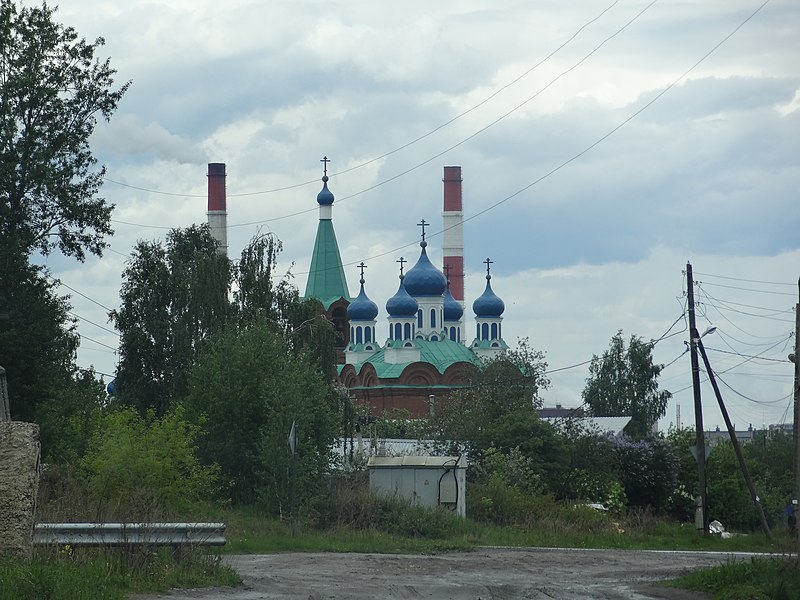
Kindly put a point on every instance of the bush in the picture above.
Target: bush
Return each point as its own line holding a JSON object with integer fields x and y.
{"x": 138, "y": 470}
{"x": 648, "y": 472}
{"x": 350, "y": 504}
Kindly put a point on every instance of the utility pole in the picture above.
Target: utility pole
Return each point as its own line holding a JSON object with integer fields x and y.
{"x": 700, "y": 438}
{"x": 795, "y": 358}
{"x": 736, "y": 447}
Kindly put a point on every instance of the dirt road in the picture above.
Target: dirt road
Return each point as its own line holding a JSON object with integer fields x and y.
{"x": 497, "y": 573}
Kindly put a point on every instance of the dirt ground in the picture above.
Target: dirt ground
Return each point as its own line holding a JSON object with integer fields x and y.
{"x": 496, "y": 573}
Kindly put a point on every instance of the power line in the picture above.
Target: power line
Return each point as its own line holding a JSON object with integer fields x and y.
{"x": 61, "y": 283}
{"x": 85, "y": 320}
{"x": 746, "y": 280}
{"x": 402, "y": 146}
{"x": 575, "y": 156}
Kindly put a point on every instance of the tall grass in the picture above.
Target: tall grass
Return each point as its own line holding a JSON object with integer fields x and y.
{"x": 756, "y": 579}
{"x": 109, "y": 573}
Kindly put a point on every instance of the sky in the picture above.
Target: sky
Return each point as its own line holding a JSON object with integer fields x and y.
{"x": 603, "y": 146}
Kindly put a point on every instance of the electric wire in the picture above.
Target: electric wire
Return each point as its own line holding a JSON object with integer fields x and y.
{"x": 592, "y": 145}
{"x": 406, "y": 144}
{"x": 744, "y": 280}
{"x": 483, "y": 129}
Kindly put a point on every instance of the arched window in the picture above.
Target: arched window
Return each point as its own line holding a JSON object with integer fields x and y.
{"x": 478, "y": 330}
{"x": 408, "y": 332}
{"x": 358, "y": 335}
{"x": 419, "y": 318}
{"x": 398, "y": 331}
{"x": 433, "y": 318}
{"x": 452, "y": 334}
{"x": 485, "y": 331}
{"x": 494, "y": 331}
{"x": 368, "y": 334}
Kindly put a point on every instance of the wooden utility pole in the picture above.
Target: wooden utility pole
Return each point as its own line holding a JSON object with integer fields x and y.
{"x": 700, "y": 438}
{"x": 736, "y": 447}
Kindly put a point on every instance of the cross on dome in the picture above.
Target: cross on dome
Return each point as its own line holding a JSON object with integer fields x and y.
{"x": 325, "y": 160}
{"x": 402, "y": 261}
{"x": 446, "y": 270}
{"x": 361, "y": 267}
{"x": 423, "y": 224}
{"x": 488, "y": 263}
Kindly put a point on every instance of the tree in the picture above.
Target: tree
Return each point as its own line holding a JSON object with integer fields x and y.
{"x": 498, "y": 406}
{"x": 173, "y": 298}
{"x": 52, "y": 89}
{"x": 624, "y": 382}
{"x": 247, "y": 390}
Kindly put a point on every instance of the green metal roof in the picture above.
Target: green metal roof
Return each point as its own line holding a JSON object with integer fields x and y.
{"x": 326, "y": 281}
{"x": 441, "y": 355}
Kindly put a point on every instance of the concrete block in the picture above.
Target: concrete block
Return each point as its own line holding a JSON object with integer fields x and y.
{"x": 20, "y": 453}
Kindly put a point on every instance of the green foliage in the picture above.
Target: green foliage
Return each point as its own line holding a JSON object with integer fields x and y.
{"x": 37, "y": 341}
{"x": 514, "y": 469}
{"x": 585, "y": 467}
{"x": 498, "y": 407}
{"x": 173, "y": 298}
{"x": 139, "y": 468}
{"x": 52, "y": 89}
{"x": 70, "y": 419}
{"x": 756, "y": 579}
{"x": 624, "y": 382}
{"x": 648, "y": 471}
{"x": 247, "y": 390}
{"x": 108, "y": 575}
{"x": 769, "y": 461}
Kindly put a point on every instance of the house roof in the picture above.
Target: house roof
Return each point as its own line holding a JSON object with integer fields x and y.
{"x": 602, "y": 425}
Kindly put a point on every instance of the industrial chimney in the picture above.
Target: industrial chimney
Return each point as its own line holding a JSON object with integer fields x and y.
{"x": 217, "y": 206}
{"x": 453, "y": 244}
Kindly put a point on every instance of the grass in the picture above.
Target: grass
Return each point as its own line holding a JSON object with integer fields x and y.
{"x": 108, "y": 574}
{"x": 756, "y": 579}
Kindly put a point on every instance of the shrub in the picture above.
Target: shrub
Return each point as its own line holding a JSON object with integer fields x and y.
{"x": 138, "y": 469}
{"x": 350, "y": 504}
{"x": 648, "y": 471}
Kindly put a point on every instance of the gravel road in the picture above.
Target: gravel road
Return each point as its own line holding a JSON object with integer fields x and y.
{"x": 496, "y": 573}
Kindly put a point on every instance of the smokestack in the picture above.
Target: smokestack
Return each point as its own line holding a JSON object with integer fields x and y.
{"x": 217, "y": 206}
{"x": 453, "y": 245}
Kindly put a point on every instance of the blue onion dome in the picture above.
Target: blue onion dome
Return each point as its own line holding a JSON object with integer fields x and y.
{"x": 402, "y": 304}
{"x": 362, "y": 308}
{"x": 325, "y": 196}
{"x": 488, "y": 305}
{"x": 453, "y": 311}
{"x": 424, "y": 279}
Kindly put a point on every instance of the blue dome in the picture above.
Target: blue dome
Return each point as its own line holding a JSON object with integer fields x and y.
{"x": 424, "y": 279}
{"x": 111, "y": 388}
{"x": 488, "y": 305}
{"x": 325, "y": 196}
{"x": 453, "y": 311}
{"x": 362, "y": 308}
{"x": 402, "y": 304}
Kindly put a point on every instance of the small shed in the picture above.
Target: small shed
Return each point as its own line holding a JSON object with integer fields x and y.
{"x": 425, "y": 480}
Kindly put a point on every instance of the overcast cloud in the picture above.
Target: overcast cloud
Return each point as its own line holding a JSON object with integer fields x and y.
{"x": 589, "y": 234}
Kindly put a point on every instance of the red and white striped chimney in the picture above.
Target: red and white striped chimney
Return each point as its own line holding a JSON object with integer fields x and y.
{"x": 453, "y": 244}
{"x": 217, "y": 206}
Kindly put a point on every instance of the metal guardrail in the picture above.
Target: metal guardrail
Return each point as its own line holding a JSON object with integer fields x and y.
{"x": 127, "y": 534}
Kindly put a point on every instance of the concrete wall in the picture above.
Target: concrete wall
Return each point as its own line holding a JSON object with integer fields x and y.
{"x": 19, "y": 481}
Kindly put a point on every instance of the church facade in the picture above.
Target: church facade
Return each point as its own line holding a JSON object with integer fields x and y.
{"x": 422, "y": 350}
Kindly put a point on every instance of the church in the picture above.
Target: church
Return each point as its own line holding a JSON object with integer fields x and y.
{"x": 421, "y": 352}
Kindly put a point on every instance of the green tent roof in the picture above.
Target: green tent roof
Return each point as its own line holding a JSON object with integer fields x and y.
{"x": 326, "y": 281}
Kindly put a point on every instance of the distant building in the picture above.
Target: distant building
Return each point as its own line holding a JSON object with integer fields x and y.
{"x": 424, "y": 352}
